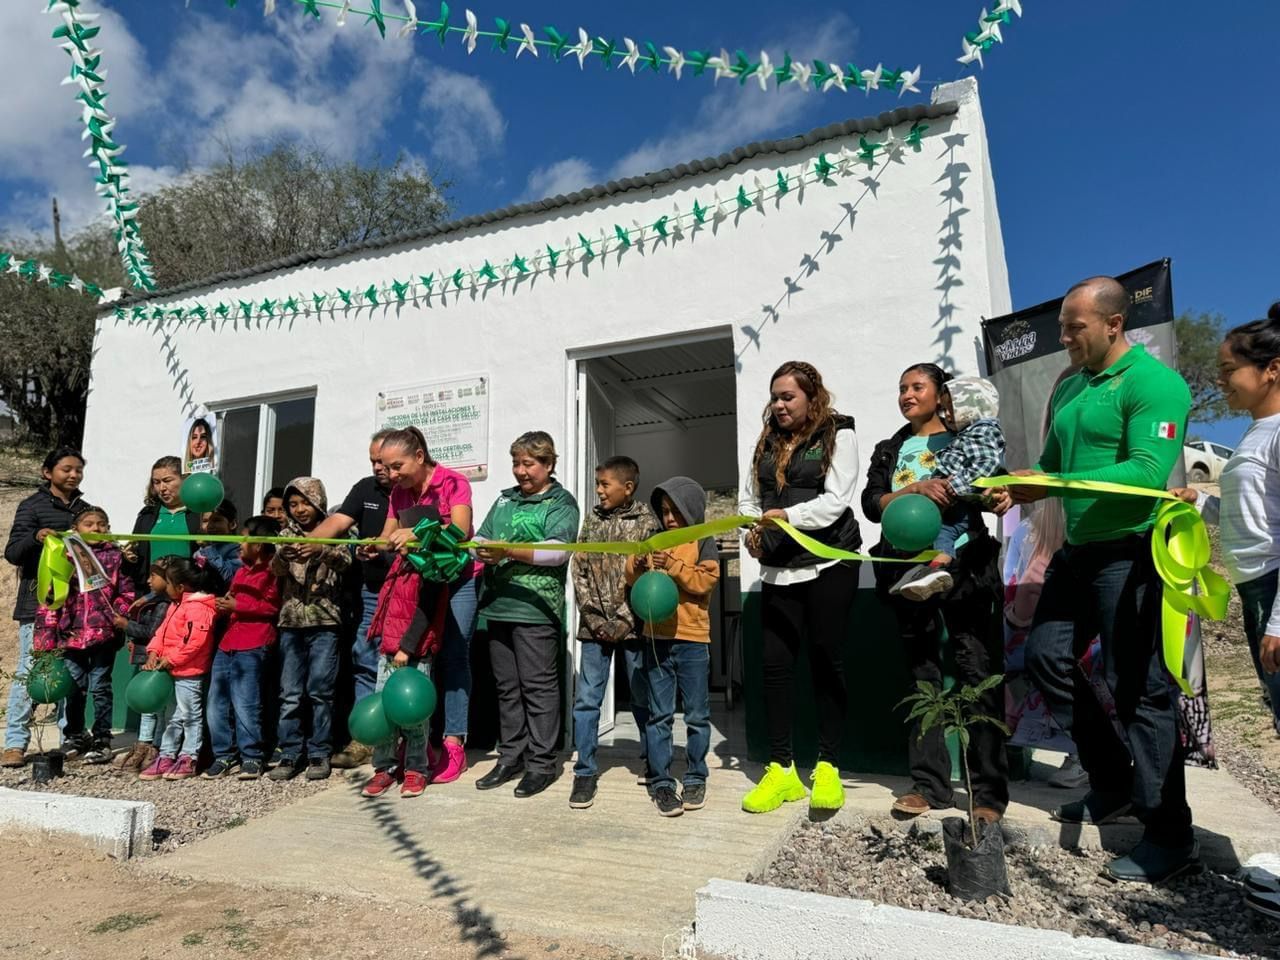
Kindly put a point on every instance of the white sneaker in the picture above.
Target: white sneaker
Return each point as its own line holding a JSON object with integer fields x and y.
{"x": 919, "y": 570}
{"x": 1070, "y": 775}
{"x": 933, "y": 581}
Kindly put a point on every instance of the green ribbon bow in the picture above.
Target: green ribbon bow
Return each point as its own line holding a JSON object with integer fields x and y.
{"x": 439, "y": 555}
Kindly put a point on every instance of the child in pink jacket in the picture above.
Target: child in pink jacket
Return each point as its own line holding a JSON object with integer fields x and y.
{"x": 184, "y": 645}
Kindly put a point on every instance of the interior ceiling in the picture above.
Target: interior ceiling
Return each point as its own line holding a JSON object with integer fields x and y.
{"x": 674, "y": 385}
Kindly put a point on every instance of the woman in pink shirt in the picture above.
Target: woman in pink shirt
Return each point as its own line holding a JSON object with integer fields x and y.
{"x": 418, "y": 481}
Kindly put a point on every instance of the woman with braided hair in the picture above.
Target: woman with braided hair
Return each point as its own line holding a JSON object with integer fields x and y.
{"x": 804, "y": 471}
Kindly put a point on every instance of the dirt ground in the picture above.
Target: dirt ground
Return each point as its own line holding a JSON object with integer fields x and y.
{"x": 70, "y": 903}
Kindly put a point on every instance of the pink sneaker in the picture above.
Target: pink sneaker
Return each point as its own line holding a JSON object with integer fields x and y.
{"x": 159, "y": 767}
{"x": 448, "y": 766}
{"x": 183, "y": 769}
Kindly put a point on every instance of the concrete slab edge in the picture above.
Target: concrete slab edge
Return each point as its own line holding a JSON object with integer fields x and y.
{"x": 118, "y": 828}
{"x": 745, "y": 921}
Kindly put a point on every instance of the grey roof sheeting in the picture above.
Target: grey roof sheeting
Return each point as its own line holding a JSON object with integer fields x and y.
{"x": 885, "y": 120}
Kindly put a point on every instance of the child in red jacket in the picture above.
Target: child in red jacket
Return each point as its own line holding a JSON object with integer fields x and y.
{"x": 184, "y": 646}
{"x": 235, "y": 690}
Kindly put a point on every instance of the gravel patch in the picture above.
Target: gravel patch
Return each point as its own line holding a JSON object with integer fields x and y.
{"x": 186, "y": 810}
{"x": 1053, "y": 889}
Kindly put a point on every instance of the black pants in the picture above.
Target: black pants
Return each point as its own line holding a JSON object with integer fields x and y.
{"x": 814, "y": 614}
{"x": 975, "y": 636}
{"x": 1111, "y": 590}
{"x": 524, "y": 658}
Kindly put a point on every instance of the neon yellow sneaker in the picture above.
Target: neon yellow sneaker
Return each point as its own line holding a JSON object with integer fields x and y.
{"x": 828, "y": 791}
{"x": 779, "y": 785}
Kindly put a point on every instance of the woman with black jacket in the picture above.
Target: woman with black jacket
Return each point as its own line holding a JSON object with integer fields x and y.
{"x": 162, "y": 512}
{"x": 51, "y": 509}
{"x": 970, "y": 610}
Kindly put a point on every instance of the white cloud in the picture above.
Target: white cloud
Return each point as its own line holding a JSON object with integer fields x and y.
{"x": 565, "y": 176}
{"x": 464, "y": 122}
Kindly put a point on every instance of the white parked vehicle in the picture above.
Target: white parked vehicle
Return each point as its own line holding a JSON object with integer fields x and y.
{"x": 1204, "y": 460}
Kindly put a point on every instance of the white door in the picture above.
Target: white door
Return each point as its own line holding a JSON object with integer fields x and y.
{"x": 595, "y": 445}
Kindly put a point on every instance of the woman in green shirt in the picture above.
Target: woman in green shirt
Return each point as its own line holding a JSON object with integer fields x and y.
{"x": 162, "y": 512}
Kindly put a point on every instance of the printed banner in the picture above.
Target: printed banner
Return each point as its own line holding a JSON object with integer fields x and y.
{"x": 199, "y": 444}
{"x": 452, "y": 414}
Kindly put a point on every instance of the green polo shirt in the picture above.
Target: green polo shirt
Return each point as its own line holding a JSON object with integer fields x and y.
{"x": 171, "y": 522}
{"x": 1123, "y": 425}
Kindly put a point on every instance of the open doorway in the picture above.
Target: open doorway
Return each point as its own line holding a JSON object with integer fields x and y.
{"x": 673, "y": 409}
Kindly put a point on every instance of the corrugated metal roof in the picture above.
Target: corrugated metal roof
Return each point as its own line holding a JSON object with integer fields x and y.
{"x": 649, "y": 180}
{"x": 684, "y": 383}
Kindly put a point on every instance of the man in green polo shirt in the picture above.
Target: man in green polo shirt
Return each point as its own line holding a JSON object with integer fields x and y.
{"x": 1121, "y": 419}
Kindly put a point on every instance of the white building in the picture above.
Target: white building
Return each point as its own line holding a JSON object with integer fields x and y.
{"x": 661, "y": 350}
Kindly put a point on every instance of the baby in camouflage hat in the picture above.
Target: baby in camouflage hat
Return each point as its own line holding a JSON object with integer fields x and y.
{"x": 970, "y": 406}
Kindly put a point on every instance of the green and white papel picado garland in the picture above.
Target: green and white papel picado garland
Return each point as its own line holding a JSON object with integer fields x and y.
{"x": 551, "y": 258}
{"x": 113, "y": 174}
{"x": 508, "y": 35}
{"x": 988, "y": 33}
{"x": 33, "y": 271}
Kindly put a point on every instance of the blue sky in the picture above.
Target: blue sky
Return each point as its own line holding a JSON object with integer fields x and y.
{"x": 1119, "y": 132}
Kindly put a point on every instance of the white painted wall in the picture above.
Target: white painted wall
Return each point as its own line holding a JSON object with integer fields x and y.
{"x": 872, "y": 307}
{"x": 707, "y": 452}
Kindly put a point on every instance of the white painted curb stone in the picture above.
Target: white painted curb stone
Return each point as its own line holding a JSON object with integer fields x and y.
{"x": 745, "y": 921}
{"x": 119, "y": 828}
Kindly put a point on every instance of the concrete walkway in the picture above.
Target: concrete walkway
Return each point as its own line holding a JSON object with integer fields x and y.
{"x": 617, "y": 873}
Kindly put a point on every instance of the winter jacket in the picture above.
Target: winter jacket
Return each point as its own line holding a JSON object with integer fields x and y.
{"x": 42, "y": 510}
{"x": 514, "y": 592}
{"x": 186, "y": 637}
{"x": 410, "y": 615}
{"x": 695, "y": 567}
{"x": 142, "y": 550}
{"x": 312, "y": 589}
{"x": 253, "y": 622}
{"x": 222, "y": 557}
{"x": 143, "y": 624}
{"x": 600, "y": 579}
{"x": 87, "y": 619}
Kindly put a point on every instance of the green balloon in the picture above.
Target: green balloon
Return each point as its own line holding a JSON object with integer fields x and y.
{"x": 654, "y": 597}
{"x": 202, "y": 492}
{"x": 49, "y": 681}
{"x": 149, "y": 691}
{"x": 911, "y": 522}
{"x": 409, "y": 697}
{"x": 368, "y": 723}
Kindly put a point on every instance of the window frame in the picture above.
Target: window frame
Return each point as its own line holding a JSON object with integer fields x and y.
{"x": 266, "y": 427}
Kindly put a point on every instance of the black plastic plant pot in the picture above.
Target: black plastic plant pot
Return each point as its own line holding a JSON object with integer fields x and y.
{"x": 46, "y": 766}
{"x": 975, "y": 873}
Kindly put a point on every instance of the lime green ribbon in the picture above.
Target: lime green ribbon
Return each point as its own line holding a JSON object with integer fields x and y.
{"x": 54, "y": 573}
{"x": 1180, "y": 551}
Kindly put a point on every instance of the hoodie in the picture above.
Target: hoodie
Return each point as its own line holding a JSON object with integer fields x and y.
{"x": 185, "y": 637}
{"x": 311, "y": 589}
{"x": 600, "y": 579}
{"x": 695, "y": 567}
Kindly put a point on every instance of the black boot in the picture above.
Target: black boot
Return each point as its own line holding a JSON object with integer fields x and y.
{"x": 499, "y": 775}
{"x": 532, "y": 784}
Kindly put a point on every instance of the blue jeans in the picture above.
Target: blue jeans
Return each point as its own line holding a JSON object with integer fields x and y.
{"x": 1110, "y": 589}
{"x": 91, "y": 670}
{"x": 593, "y": 677}
{"x": 364, "y": 655}
{"x": 17, "y": 732}
{"x": 682, "y": 665}
{"x": 453, "y": 662}
{"x": 385, "y": 754}
{"x": 1257, "y": 598}
{"x": 185, "y": 732}
{"x": 308, "y": 668}
{"x": 235, "y": 703}
{"x": 957, "y": 521}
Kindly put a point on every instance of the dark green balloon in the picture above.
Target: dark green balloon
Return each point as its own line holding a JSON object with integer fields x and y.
{"x": 202, "y": 492}
{"x": 409, "y": 697}
{"x": 368, "y": 723}
{"x": 911, "y": 522}
{"x": 149, "y": 691}
{"x": 49, "y": 681}
{"x": 654, "y": 597}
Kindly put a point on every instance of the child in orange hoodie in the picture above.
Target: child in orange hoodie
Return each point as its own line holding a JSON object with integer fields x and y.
{"x": 677, "y": 653}
{"x": 184, "y": 645}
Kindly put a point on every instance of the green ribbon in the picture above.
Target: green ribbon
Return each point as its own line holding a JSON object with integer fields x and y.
{"x": 1180, "y": 551}
{"x": 439, "y": 555}
{"x": 54, "y": 573}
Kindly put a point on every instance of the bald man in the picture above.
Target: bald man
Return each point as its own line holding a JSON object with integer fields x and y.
{"x": 1121, "y": 418}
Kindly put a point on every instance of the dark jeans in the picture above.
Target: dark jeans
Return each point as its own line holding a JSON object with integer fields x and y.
{"x": 1258, "y": 597}
{"x": 976, "y": 640}
{"x": 1111, "y": 589}
{"x": 524, "y": 671}
{"x": 593, "y": 678}
{"x": 308, "y": 669}
{"x": 365, "y": 655}
{"x": 234, "y": 712}
{"x": 685, "y": 666}
{"x": 813, "y": 614}
{"x": 91, "y": 670}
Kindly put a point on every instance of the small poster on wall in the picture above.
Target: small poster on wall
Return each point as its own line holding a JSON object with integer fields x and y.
{"x": 452, "y": 414}
{"x": 199, "y": 444}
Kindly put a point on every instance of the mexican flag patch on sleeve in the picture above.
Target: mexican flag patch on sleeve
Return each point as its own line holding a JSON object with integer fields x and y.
{"x": 1165, "y": 430}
